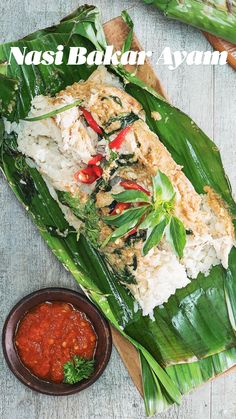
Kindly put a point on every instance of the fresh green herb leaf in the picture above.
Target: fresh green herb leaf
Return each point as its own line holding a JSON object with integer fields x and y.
{"x": 162, "y": 187}
{"x": 131, "y": 196}
{"x": 125, "y": 120}
{"x": 154, "y": 236}
{"x": 78, "y": 369}
{"x": 152, "y": 219}
{"x": 176, "y": 235}
{"x": 121, "y": 231}
{"x": 126, "y": 216}
{"x": 54, "y": 112}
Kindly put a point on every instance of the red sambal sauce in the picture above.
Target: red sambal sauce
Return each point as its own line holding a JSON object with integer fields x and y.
{"x": 50, "y": 335}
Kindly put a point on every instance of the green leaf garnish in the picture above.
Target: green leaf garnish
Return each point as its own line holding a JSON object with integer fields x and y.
{"x": 121, "y": 231}
{"x": 177, "y": 235}
{"x": 152, "y": 219}
{"x": 156, "y": 216}
{"x": 78, "y": 369}
{"x": 126, "y": 216}
{"x": 54, "y": 112}
{"x": 162, "y": 187}
{"x": 125, "y": 119}
{"x": 131, "y": 196}
{"x": 154, "y": 236}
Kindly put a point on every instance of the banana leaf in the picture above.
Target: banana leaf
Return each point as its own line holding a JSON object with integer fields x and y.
{"x": 216, "y": 17}
{"x": 198, "y": 322}
{"x": 186, "y": 376}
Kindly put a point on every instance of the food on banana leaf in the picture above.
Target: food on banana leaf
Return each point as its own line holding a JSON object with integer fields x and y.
{"x": 191, "y": 338}
{"x": 119, "y": 185}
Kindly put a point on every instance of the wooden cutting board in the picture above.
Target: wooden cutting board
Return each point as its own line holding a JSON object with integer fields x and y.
{"x": 221, "y": 45}
{"x": 116, "y": 31}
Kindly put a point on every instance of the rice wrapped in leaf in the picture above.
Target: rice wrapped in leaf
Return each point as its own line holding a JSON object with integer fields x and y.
{"x": 121, "y": 185}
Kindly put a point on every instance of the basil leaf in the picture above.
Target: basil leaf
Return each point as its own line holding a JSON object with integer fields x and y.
{"x": 125, "y": 120}
{"x": 176, "y": 235}
{"x": 162, "y": 187}
{"x": 125, "y": 217}
{"x": 154, "y": 236}
{"x": 152, "y": 219}
{"x": 131, "y": 196}
{"x": 121, "y": 231}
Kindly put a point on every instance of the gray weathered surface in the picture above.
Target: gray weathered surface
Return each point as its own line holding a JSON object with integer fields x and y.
{"x": 209, "y": 95}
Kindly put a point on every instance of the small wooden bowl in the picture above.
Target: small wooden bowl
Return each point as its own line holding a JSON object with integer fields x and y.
{"x": 101, "y": 326}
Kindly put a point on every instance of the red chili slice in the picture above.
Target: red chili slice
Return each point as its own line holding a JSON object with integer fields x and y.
{"x": 91, "y": 121}
{"x": 96, "y": 159}
{"x": 133, "y": 231}
{"x": 120, "y": 207}
{"x": 97, "y": 170}
{"x": 88, "y": 175}
{"x": 116, "y": 143}
{"x": 129, "y": 184}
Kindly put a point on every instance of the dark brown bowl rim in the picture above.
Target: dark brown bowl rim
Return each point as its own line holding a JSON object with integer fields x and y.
{"x": 39, "y": 385}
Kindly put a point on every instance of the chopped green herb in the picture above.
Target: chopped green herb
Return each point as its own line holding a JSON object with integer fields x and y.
{"x": 127, "y": 277}
{"x": 124, "y": 119}
{"x": 117, "y": 251}
{"x": 85, "y": 212}
{"x": 78, "y": 369}
{"x": 126, "y": 159}
{"x": 115, "y": 98}
{"x": 135, "y": 262}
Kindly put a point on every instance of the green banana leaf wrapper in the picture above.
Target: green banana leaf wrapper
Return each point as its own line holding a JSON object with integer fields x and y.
{"x": 192, "y": 337}
{"x": 217, "y": 17}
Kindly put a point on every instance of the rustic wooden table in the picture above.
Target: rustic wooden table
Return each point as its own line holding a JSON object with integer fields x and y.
{"x": 206, "y": 93}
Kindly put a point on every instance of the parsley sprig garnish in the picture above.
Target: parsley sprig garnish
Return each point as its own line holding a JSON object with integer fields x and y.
{"x": 77, "y": 369}
{"x": 156, "y": 215}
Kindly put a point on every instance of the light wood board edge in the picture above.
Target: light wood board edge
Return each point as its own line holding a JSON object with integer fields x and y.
{"x": 116, "y": 31}
{"x": 221, "y": 45}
